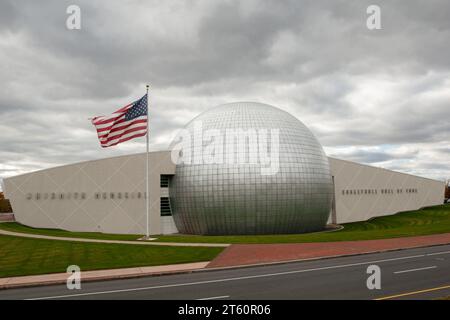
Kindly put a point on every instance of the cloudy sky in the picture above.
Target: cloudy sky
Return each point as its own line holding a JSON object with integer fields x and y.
{"x": 380, "y": 97}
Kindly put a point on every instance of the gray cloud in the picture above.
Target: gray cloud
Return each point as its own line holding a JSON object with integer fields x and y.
{"x": 378, "y": 156}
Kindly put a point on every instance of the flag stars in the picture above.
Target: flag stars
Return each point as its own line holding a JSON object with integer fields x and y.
{"x": 139, "y": 108}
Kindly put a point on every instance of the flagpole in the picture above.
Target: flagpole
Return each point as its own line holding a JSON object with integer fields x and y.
{"x": 146, "y": 175}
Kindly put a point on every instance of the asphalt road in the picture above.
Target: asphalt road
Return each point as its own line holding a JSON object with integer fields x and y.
{"x": 422, "y": 273}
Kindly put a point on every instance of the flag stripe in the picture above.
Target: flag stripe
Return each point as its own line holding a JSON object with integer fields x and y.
{"x": 139, "y": 134}
{"x": 105, "y": 123}
{"x": 111, "y": 125}
{"x": 133, "y": 128}
{"x": 121, "y": 124}
{"x": 106, "y": 119}
{"x": 141, "y": 123}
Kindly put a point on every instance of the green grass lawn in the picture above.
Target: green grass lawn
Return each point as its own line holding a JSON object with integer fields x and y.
{"x": 25, "y": 256}
{"x": 426, "y": 221}
{"x": 17, "y": 227}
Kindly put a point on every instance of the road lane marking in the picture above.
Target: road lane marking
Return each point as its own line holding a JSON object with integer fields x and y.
{"x": 413, "y": 293}
{"x": 213, "y": 298}
{"x": 437, "y": 253}
{"x": 417, "y": 269}
{"x": 229, "y": 279}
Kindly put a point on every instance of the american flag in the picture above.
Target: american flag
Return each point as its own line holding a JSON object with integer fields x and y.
{"x": 126, "y": 123}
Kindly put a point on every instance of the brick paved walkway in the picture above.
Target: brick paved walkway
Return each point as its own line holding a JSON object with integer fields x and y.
{"x": 245, "y": 254}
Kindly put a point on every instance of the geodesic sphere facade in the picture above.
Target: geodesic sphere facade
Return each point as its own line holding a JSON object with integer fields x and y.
{"x": 222, "y": 198}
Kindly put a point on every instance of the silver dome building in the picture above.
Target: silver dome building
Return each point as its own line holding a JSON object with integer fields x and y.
{"x": 249, "y": 168}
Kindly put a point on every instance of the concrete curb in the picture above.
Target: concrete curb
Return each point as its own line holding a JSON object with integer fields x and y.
{"x": 99, "y": 275}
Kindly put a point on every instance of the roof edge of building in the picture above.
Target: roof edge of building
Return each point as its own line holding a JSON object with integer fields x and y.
{"x": 86, "y": 161}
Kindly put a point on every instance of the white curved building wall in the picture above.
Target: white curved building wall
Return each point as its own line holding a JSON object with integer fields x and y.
{"x": 96, "y": 196}
{"x": 360, "y": 191}
{"x": 103, "y": 195}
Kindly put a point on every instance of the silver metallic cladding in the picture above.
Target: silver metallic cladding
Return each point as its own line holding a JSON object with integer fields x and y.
{"x": 236, "y": 199}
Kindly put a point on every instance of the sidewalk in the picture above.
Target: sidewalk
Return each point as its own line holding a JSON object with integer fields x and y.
{"x": 249, "y": 254}
{"x": 60, "y": 278}
{"x": 151, "y": 243}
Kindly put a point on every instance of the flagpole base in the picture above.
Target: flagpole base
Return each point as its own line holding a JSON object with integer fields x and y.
{"x": 146, "y": 238}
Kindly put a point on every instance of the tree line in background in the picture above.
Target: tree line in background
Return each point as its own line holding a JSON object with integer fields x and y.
{"x": 5, "y": 205}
